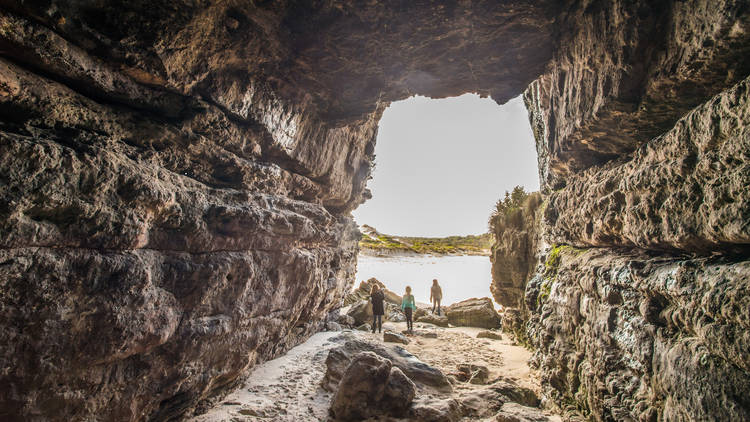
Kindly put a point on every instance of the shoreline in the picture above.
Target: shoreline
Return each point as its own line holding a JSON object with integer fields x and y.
{"x": 386, "y": 253}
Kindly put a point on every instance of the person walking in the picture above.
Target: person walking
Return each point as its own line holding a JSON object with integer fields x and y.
{"x": 408, "y": 305}
{"x": 436, "y": 295}
{"x": 376, "y": 297}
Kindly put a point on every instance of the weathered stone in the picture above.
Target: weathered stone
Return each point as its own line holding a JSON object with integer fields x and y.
{"x": 422, "y": 374}
{"x": 475, "y": 374}
{"x": 436, "y": 320}
{"x": 490, "y": 335}
{"x": 514, "y": 412}
{"x": 393, "y": 337}
{"x": 177, "y": 179}
{"x": 361, "y": 312}
{"x": 518, "y": 237}
{"x": 333, "y": 326}
{"x": 364, "y": 327}
{"x": 473, "y": 313}
{"x": 363, "y": 293}
{"x": 685, "y": 190}
{"x": 370, "y": 386}
{"x": 675, "y": 322}
{"x": 346, "y": 321}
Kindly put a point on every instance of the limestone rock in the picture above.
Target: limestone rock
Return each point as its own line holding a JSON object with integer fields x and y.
{"x": 438, "y": 320}
{"x": 333, "y": 326}
{"x": 473, "y": 313}
{"x": 422, "y": 374}
{"x": 518, "y": 237}
{"x": 393, "y": 337}
{"x": 490, "y": 335}
{"x": 474, "y": 374}
{"x": 177, "y": 180}
{"x": 670, "y": 320}
{"x": 346, "y": 321}
{"x": 514, "y": 412}
{"x": 370, "y": 386}
{"x": 361, "y": 312}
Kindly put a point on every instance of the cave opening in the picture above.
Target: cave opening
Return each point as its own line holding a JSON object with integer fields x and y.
{"x": 441, "y": 166}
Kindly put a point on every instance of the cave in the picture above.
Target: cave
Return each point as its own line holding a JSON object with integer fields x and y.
{"x": 177, "y": 180}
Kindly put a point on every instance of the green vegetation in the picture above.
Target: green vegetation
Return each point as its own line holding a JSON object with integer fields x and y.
{"x": 511, "y": 204}
{"x": 551, "y": 267}
{"x": 460, "y": 245}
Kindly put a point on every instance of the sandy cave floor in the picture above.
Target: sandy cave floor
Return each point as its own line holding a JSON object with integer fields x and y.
{"x": 288, "y": 388}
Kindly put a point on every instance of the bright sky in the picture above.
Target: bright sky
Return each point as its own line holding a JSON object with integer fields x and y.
{"x": 442, "y": 165}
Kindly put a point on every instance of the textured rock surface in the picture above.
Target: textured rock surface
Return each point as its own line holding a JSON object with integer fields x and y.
{"x": 629, "y": 336}
{"x": 625, "y": 72}
{"x": 424, "y": 375}
{"x": 177, "y": 176}
{"x": 371, "y": 386}
{"x": 473, "y": 313}
{"x": 518, "y": 238}
{"x": 686, "y": 190}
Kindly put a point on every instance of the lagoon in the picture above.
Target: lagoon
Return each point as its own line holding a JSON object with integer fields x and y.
{"x": 460, "y": 276}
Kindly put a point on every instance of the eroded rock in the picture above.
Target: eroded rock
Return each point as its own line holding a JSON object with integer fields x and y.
{"x": 473, "y": 313}
{"x": 370, "y": 386}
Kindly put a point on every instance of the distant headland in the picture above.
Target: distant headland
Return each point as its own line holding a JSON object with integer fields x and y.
{"x": 380, "y": 244}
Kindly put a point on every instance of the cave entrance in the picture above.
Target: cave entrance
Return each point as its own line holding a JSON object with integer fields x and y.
{"x": 441, "y": 165}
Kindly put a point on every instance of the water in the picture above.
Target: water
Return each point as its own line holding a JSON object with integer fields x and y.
{"x": 460, "y": 277}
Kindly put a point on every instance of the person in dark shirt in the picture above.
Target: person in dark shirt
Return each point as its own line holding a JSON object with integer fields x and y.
{"x": 376, "y": 297}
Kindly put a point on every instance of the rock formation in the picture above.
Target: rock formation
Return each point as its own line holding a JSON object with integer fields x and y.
{"x": 177, "y": 179}
{"x": 473, "y": 313}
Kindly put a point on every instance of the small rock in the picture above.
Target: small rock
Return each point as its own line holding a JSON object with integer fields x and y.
{"x": 396, "y": 316}
{"x": 514, "y": 412}
{"x": 333, "y": 326}
{"x": 476, "y": 374}
{"x": 393, "y": 337}
{"x": 490, "y": 335}
{"x": 346, "y": 321}
{"x": 364, "y": 327}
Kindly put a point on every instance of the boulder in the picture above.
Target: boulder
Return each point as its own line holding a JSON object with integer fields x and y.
{"x": 346, "y": 321}
{"x": 363, "y": 293}
{"x": 371, "y": 387}
{"x": 435, "y": 410}
{"x": 333, "y": 326}
{"x": 396, "y": 316}
{"x": 361, "y": 312}
{"x": 514, "y": 412}
{"x": 364, "y": 327}
{"x": 420, "y": 312}
{"x": 473, "y": 313}
{"x": 419, "y": 372}
{"x": 439, "y": 320}
{"x": 393, "y": 337}
{"x": 490, "y": 335}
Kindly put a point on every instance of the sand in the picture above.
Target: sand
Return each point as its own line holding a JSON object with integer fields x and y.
{"x": 288, "y": 388}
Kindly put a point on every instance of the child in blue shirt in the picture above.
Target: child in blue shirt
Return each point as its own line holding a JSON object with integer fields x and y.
{"x": 408, "y": 306}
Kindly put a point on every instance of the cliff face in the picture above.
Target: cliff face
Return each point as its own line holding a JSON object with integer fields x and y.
{"x": 177, "y": 178}
{"x": 518, "y": 240}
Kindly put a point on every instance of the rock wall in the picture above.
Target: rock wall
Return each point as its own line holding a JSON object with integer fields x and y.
{"x": 177, "y": 178}
{"x": 643, "y": 316}
{"x": 518, "y": 241}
